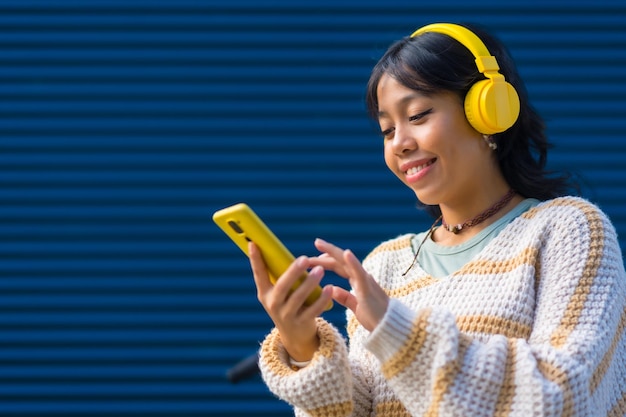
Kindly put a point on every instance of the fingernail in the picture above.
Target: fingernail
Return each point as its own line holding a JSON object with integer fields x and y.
{"x": 316, "y": 272}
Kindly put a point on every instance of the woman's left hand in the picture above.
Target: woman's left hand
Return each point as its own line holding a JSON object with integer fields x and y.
{"x": 368, "y": 301}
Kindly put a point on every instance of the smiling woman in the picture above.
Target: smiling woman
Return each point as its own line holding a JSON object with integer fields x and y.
{"x": 515, "y": 306}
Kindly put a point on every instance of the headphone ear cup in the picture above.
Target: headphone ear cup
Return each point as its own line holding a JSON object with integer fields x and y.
{"x": 492, "y": 106}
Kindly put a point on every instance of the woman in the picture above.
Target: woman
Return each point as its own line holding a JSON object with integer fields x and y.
{"x": 513, "y": 303}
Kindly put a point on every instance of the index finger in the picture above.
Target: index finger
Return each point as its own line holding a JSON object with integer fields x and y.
{"x": 328, "y": 248}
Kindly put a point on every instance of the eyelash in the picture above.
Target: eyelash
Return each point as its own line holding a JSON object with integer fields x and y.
{"x": 414, "y": 118}
{"x": 387, "y": 132}
{"x": 420, "y": 115}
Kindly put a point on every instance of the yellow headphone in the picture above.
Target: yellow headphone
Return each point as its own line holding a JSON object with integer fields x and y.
{"x": 491, "y": 105}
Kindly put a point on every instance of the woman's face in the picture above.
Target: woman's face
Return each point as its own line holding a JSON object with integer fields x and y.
{"x": 429, "y": 144}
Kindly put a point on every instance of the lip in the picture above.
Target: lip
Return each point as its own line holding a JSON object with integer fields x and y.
{"x": 424, "y": 166}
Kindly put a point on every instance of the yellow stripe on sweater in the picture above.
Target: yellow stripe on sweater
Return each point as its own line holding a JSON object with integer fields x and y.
{"x": 479, "y": 323}
{"x": 391, "y": 409}
{"x": 390, "y": 246}
{"x": 272, "y": 349}
{"x": 445, "y": 378}
{"x": 574, "y": 309}
{"x": 608, "y": 356}
{"x": 507, "y": 390}
{"x": 559, "y": 377}
{"x": 412, "y": 346}
{"x": 482, "y": 323}
{"x": 338, "y": 409}
{"x": 619, "y": 410}
{"x": 528, "y": 256}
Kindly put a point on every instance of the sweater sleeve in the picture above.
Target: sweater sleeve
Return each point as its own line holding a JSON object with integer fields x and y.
{"x": 572, "y": 363}
{"x": 322, "y": 388}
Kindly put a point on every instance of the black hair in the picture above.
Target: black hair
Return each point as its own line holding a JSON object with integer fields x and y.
{"x": 433, "y": 62}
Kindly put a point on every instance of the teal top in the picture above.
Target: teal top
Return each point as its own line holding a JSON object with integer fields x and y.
{"x": 440, "y": 261}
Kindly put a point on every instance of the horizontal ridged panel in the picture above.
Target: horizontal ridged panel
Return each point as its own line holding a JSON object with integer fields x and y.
{"x": 126, "y": 124}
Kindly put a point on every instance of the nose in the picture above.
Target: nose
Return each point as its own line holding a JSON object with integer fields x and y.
{"x": 403, "y": 141}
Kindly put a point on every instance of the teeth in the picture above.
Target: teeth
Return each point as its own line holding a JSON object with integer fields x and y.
{"x": 417, "y": 169}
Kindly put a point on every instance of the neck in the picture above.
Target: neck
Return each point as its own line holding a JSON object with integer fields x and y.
{"x": 468, "y": 222}
{"x": 472, "y": 201}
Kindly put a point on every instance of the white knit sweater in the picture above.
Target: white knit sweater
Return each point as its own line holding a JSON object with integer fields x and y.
{"x": 532, "y": 326}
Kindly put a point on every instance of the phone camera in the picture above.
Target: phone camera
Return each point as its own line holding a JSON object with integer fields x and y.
{"x": 235, "y": 226}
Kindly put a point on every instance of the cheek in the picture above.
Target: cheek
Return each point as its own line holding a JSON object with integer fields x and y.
{"x": 390, "y": 159}
{"x": 392, "y": 163}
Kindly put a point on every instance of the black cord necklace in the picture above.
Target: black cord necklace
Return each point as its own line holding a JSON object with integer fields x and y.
{"x": 417, "y": 252}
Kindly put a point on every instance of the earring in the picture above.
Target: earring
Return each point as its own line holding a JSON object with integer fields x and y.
{"x": 491, "y": 142}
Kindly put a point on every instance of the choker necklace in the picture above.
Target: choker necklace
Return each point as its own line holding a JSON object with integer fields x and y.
{"x": 456, "y": 229}
{"x": 481, "y": 217}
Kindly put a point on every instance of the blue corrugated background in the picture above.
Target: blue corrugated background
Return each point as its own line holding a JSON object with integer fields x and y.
{"x": 125, "y": 124}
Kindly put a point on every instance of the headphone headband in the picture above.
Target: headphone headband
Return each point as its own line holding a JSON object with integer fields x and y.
{"x": 467, "y": 38}
{"x": 492, "y": 105}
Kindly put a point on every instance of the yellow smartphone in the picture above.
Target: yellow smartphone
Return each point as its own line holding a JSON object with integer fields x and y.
{"x": 242, "y": 225}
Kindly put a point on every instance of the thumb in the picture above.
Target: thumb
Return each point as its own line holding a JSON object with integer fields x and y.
{"x": 259, "y": 270}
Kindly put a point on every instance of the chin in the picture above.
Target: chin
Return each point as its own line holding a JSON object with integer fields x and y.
{"x": 426, "y": 198}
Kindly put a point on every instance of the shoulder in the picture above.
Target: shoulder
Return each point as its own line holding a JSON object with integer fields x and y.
{"x": 568, "y": 213}
{"x": 397, "y": 244}
{"x": 566, "y": 205}
{"x": 563, "y": 226}
{"x": 572, "y": 219}
{"x": 389, "y": 257}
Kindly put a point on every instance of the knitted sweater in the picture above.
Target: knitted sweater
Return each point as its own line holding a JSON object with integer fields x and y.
{"x": 532, "y": 326}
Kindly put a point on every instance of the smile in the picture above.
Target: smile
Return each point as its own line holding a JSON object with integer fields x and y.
{"x": 416, "y": 169}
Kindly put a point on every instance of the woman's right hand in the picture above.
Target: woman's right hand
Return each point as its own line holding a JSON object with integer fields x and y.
{"x": 295, "y": 321}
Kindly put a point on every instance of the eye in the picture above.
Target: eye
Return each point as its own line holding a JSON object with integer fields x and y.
{"x": 420, "y": 116}
{"x": 387, "y": 133}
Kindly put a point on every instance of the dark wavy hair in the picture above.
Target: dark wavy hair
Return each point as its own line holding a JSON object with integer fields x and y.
{"x": 433, "y": 62}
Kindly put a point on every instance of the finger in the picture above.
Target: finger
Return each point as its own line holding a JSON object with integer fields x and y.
{"x": 354, "y": 269}
{"x": 329, "y": 248}
{"x": 294, "y": 272}
{"x": 345, "y": 298}
{"x": 331, "y": 259}
{"x": 321, "y": 304}
{"x": 259, "y": 270}
{"x": 352, "y": 262}
{"x": 306, "y": 286}
{"x": 324, "y": 260}
{"x": 365, "y": 287}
